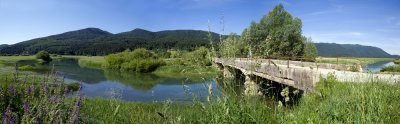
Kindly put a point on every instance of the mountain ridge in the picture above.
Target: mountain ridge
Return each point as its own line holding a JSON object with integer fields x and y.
{"x": 350, "y": 50}
{"x": 95, "y": 41}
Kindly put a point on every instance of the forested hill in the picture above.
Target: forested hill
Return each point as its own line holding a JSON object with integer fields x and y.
{"x": 349, "y": 50}
{"x": 94, "y": 41}
{"x": 3, "y": 46}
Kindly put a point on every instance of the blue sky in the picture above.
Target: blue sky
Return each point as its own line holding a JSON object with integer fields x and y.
{"x": 366, "y": 22}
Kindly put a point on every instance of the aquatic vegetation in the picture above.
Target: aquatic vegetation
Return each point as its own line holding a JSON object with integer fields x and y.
{"x": 43, "y": 55}
{"x": 393, "y": 68}
{"x": 139, "y": 60}
{"x": 25, "y": 67}
{"x": 397, "y": 61}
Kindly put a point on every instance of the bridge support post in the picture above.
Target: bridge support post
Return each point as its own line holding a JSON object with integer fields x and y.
{"x": 228, "y": 73}
{"x": 251, "y": 86}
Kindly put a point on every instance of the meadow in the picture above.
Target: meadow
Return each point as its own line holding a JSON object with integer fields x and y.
{"x": 351, "y": 60}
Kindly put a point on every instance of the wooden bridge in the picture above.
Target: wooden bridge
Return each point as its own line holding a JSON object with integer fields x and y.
{"x": 298, "y": 74}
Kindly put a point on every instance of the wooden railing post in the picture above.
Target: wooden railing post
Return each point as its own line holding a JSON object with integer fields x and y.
{"x": 337, "y": 60}
{"x": 288, "y": 63}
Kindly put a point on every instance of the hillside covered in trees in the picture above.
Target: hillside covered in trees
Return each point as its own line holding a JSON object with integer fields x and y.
{"x": 94, "y": 41}
{"x": 350, "y": 50}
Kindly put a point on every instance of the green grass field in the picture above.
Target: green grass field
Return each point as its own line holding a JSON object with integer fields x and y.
{"x": 351, "y": 61}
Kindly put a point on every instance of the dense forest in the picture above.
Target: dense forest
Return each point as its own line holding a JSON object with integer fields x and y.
{"x": 94, "y": 41}
{"x": 350, "y": 50}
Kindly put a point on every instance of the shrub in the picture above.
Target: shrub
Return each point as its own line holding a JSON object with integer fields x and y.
{"x": 25, "y": 67}
{"x": 198, "y": 57}
{"x": 139, "y": 60}
{"x": 43, "y": 55}
{"x": 393, "y": 68}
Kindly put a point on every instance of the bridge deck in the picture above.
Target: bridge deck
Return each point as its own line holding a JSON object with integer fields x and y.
{"x": 301, "y": 75}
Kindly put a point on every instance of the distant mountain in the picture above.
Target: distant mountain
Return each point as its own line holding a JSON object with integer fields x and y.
{"x": 3, "y": 46}
{"x": 349, "y": 50}
{"x": 94, "y": 41}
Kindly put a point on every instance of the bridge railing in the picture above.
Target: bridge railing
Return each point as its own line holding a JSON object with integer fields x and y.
{"x": 297, "y": 61}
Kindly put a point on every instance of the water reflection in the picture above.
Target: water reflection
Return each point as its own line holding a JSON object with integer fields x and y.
{"x": 130, "y": 86}
{"x": 376, "y": 67}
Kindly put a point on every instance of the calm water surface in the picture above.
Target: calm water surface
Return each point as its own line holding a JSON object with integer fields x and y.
{"x": 130, "y": 86}
{"x": 376, "y": 67}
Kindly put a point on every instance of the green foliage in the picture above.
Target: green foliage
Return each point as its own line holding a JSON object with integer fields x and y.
{"x": 31, "y": 100}
{"x": 233, "y": 47}
{"x": 139, "y": 60}
{"x": 25, "y": 68}
{"x": 310, "y": 51}
{"x": 43, "y": 55}
{"x": 346, "y": 102}
{"x": 393, "y": 68}
{"x": 397, "y": 61}
{"x": 187, "y": 70}
{"x": 175, "y": 54}
{"x": 277, "y": 34}
{"x": 284, "y": 33}
{"x": 198, "y": 57}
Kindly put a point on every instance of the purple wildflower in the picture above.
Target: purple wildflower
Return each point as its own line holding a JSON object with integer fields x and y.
{"x": 12, "y": 90}
{"x": 8, "y": 116}
{"x": 28, "y": 90}
{"x": 26, "y": 107}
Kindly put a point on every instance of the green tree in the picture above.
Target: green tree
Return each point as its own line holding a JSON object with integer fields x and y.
{"x": 233, "y": 46}
{"x": 43, "y": 55}
{"x": 310, "y": 51}
{"x": 276, "y": 34}
{"x": 284, "y": 33}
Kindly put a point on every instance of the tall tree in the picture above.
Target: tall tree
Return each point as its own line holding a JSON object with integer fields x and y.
{"x": 310, "y": 51}
{"x": 284, "y": 33}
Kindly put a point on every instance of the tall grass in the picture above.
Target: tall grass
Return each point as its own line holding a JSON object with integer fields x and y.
{"x": 331, "y": 102}
{"x": 393, "y": 68}
{"x": 25, "y": 99}
{"x": 351, "y": 60}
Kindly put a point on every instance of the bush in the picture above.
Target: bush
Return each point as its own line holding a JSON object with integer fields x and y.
{"x": 393, "y": 68}
{"x": 43, "y": 55}
{"x": 139, "y": 60}
{"x": 25, "y": 68}
{"x": 198, "y": 57}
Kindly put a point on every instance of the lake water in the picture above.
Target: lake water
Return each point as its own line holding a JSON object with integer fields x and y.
{"x": 376, "y": 67}
{"x": 130, "y": 86}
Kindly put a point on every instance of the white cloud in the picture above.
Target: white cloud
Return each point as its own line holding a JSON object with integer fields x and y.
{"x": 356, "y": 33}
{"x": 338, "y": 8}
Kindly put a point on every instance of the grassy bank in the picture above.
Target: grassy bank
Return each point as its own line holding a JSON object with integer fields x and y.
{"x": 89, "y": 61}
{"x": 393, "y": 68}
{"x": 397, "y": 61}
{"x": 332, "y": 102}
{"x": 351, "y": 61}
